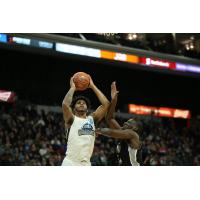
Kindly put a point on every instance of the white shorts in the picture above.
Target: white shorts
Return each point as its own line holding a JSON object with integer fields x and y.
{"x": 133, "y": 156}
{"x": 69, "y": 162}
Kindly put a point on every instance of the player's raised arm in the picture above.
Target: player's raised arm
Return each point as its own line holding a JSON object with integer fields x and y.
{"x": 67, "y": 111}
{"x": 110, "y": 118}
{"x": 100, "y": 112}
{"x": 126, "y": 134}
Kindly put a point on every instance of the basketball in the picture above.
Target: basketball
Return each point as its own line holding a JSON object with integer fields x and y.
{"x": 81, "y": 80}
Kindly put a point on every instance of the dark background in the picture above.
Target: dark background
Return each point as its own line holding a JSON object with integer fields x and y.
{"x": 44, "y": 79}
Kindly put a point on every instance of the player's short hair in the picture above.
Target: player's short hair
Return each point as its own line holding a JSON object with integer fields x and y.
{"x": 77, "y": 98}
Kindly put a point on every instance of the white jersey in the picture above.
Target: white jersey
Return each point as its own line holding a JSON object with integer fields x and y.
{"x": 80, "y": 144}
{"x": 133, "y": 156}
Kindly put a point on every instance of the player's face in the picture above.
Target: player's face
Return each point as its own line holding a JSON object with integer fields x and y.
{"x": 81, "y": 106}
{"x": 130, "y": 124}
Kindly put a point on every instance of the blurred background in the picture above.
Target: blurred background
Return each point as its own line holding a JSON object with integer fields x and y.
{"x": 158, "y": 76}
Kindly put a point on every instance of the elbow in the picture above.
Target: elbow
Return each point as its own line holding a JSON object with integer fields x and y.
{"x": 135, "y": 143}
{"x": 107, "y": 104}
{"x": 63, "y": 104}
{"x": 138, "y": 146}
{"x": 108, "y": 119}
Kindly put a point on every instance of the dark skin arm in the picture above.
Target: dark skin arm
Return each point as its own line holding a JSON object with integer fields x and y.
{"x": 115, "y": 129}
{"x": 126, "y": 134}
{"x": 101, "y": 111}
{"x": 112, "y": 123}
{"x": 67, "y": 111}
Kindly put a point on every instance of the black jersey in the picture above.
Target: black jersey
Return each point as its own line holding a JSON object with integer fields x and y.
{"x": 123, "y": 154}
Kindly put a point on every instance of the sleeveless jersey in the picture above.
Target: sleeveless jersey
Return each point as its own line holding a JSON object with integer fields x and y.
{"x": 81, "y": 138}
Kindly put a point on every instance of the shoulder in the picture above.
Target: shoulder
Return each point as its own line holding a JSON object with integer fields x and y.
{"x": 70, "y": 122}
{"x": 134, "y": 142}
{"x": 90, "y": 118}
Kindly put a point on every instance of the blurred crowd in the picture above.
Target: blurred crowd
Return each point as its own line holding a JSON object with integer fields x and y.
{"x": 29, "y": 137}
{"x": 170, "y": 142}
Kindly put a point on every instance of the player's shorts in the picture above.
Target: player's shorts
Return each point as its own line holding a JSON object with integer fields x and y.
{"x": 69, "y": 162}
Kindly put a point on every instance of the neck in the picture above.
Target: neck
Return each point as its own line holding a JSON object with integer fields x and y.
{"x": 81, "y": 114}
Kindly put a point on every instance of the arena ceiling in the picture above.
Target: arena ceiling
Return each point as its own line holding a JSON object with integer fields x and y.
{"x": 184, "y": 44}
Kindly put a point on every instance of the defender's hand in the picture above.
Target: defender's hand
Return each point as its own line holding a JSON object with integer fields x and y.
{"x": 114, "y": 91}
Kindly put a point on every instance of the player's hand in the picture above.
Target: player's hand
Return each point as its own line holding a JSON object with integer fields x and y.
{"x": 72, "y": 84}
{"x": 91, "y": 85}
{"x": 114, "y": 91}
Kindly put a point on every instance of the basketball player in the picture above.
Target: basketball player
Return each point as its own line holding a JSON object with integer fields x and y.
{"x": 80, "y": 127}
{"x": 129, "y": 132}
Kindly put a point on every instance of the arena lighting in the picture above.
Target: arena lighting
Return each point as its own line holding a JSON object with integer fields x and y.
{"x": 20, "y": 40}
{"x": 187, "y": 46}
{"x": 104, "y": 54}
{"x": 31, "y": 42}
{"x": 192, "y": 37}
{"x": 3, "y": 37}
{"x": 97, "y": 53}
{"x": 134, "y": 36}
{"x": 187, "y": 67}
{"x": 131, "y": 36}
{"x": 42, "y": 44}
{"x": 191, "y": 46}
{"x": 7, "y": 96}
{"x": 119, "y": 56}
{"x": 159, "y": 111}
{"x": 79, "y": 50}
{"x": 157, "y": 63}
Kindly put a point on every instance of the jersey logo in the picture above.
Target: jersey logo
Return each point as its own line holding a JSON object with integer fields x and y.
{"x": 91, "y": 121}
{"x": 86, "y": 129}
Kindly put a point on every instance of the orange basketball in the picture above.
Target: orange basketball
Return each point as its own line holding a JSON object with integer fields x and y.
{"x": 81, "y": 80}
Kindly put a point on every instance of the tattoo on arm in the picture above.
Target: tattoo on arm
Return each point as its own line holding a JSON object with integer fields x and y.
{"x": 68, "y": 98}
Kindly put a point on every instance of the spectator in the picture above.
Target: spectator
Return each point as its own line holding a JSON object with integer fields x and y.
{"x": 30, "y": 138}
